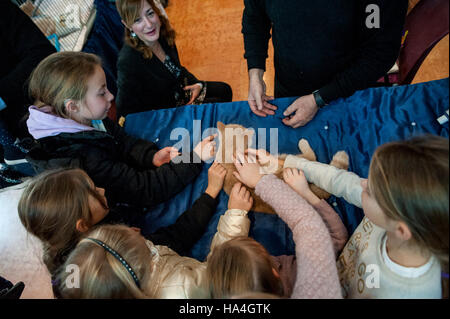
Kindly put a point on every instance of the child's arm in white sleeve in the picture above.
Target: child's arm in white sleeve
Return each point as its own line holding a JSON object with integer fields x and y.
{"x": 339, "y": 182}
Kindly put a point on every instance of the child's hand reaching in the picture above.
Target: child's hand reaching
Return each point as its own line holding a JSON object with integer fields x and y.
{"x": 206, "y": 148}
{"x": 297, "y": 180}
{"x": 240, "y": 198}
{"x": 216, "y": 177}
{"x": 269, "y": 163}
{"x": 247, "y": 170}
{"x": 165, "y": 155}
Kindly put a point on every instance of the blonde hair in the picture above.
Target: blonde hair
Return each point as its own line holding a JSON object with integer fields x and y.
{"x": 129, "y": 11}
{"x": 239, "y": 266}
{"x": 101, "y": 275}
{"x": 62, "y": 76}
{"x": 50, "y": 207}
{"x": 410, "y": 182}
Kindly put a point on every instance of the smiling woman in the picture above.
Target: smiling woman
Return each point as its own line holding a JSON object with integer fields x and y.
{"x": 150, "y": 75}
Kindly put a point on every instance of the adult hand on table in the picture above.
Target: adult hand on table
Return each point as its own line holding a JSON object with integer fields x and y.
{"x": 301, "y": 111}
{"x": 257, "y": 98}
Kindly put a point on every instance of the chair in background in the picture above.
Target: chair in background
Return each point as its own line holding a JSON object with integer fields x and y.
{"x": 425, "y": 26}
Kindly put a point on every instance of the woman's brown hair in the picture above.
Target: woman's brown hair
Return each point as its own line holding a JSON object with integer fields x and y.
{"x": 410, "y": 182}
{"x": 101, "y": 275}
{"x": 239, "y": 266}
{"x": 50, "y": 207}
{"x": 129, "y": 11}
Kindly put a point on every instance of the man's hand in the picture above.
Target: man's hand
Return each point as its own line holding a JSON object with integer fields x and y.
{"x": 257, "y": 98}
{"x": 240, "y": 198}
{"x": 164, "y": 155}
{"x": 301, "y": 111}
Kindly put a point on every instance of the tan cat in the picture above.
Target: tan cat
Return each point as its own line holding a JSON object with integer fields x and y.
{"x": 235, "y": 138}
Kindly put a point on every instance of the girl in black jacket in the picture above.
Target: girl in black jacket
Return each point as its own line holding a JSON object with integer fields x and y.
{"x": 69, "y": 124}
{"x": 150, "y": 75}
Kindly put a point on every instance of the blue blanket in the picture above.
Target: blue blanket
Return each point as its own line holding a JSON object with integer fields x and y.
{"x": 358, "y": 125}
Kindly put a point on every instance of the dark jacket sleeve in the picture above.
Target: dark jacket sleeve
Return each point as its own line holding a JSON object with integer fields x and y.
{"x": 378, "y": 51}
{"x": 125, "y": 183}
{"x": 136, "y": 151}
{"x": 256, "y": 27}
{"x": 188, "y": 228}
{"x": 24, "y": 41}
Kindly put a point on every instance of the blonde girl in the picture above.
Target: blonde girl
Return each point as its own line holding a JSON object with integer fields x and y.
{"x": 400, "y": 249}
{"x": 59, "y": 206}
{"x": 242, "y": 265}
{"x": 117, "y": 262}
{"x": 70, "y": 125}
{"x": 98, "y": 254}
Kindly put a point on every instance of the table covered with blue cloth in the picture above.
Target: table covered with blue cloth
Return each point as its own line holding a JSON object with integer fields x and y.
{"x": 357, "y": 124}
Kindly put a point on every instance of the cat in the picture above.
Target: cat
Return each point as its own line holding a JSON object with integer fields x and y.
{"x": 235, "y": 138}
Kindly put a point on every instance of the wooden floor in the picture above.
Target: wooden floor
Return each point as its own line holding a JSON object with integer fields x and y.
{"x": 211, "y": 44}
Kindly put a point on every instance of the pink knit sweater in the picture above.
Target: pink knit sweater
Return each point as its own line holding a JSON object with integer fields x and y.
{"x": 316, "y": 266}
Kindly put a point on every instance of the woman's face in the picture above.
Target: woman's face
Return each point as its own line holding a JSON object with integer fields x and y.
{"x": 147, "y": 26}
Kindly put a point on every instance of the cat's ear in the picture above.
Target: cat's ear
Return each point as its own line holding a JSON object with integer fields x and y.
{"x": 220, "y": 126}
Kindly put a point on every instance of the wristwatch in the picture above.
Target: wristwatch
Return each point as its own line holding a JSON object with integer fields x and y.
{"x": 319, "y": 101}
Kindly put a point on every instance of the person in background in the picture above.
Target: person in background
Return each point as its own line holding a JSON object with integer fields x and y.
{"x": 150, "y": 75}
{"x": 23, "y": 46}
{"x": 323, "y": 50}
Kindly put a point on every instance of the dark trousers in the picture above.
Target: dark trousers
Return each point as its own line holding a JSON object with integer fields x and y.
{"x": 218, "y": 92}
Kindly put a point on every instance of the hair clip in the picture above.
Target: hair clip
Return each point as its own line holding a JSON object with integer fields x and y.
{"x": 119, "y": 258}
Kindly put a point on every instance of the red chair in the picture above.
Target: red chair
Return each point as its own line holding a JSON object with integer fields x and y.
{"x": 425, "y": 26}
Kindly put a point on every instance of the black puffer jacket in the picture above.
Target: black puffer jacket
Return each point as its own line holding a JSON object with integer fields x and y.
{"x": 117, "y": 162}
